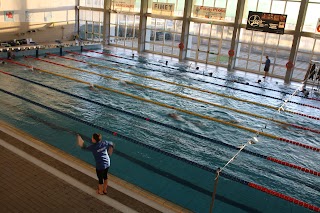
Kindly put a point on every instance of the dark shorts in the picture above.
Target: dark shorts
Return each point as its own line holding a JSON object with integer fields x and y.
{"x": 102, "y": 175}
{"x": 266, "y": 69}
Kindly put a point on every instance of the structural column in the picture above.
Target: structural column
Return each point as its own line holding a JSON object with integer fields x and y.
{"x": 236, "y": 32}
{"x": 142, "y": 26}
{"x": 77, "y": 17}
{"x": 106, "y": 22}
{"x": 185, "y": 28}
{"x": 296, "y": 39}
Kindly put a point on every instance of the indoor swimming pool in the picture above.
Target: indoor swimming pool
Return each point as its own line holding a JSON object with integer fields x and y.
{"x": 173, "y": 126}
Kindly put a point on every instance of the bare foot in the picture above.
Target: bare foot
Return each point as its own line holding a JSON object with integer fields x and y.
{"x": 99, "y": 193}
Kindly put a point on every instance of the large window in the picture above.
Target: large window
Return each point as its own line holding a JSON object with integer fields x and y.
{"x": 124, "y": 30}
{"x": 309, "y": 49}
{"x": 92, "y": 3}
{"x": 209, "y": 38}
{"x": 311, "y": 17}
{"x": 91, "y": 23}
{"x": 163, "y": 36}
{"x": 254, "y": 46}
{"x": 209, "y": 43}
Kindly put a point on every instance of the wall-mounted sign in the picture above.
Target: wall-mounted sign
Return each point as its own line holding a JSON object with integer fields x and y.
{"x": 318, "y": 27}
{"x": 266, "y": 22}
{"x": 162, "y": 8}
{"x": 209, "y": 12}
{"x": 118, "y": 4}
{"x": 8, "y": 16}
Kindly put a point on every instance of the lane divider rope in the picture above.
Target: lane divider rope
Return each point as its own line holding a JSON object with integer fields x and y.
{"x": 272, "y": 159}
{"x": 178, "y": 109}
{"x": 219, "y": 94}
{"x": 223, "y": 174}
{"x": 182, "y": 96}
{"x": 175, "y": 68}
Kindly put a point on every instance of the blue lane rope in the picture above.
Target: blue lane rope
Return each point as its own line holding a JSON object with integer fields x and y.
{"x": 179, "y": 69}
{"x": 269, "y": 158}
{"x": 141, "y": 117}
{"x": 203, "y": 81}
{"x": 203, "y": 167}
{"x": 206, "y": 168}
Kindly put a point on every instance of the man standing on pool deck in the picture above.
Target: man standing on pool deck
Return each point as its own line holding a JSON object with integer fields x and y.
{"x": 266, "y": 66}
{"x": 101, "y": 151}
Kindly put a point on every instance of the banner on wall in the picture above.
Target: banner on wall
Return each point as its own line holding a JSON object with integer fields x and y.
{"x": 118, "y": 4}
{"x": 318, "y": 27}
{"x": 266, "y": 22}
{"x": 209, "y": 12}
{"x": 8, "y": 16}
{"x": 47, "y": 16}
{"x": 162, "y": 8}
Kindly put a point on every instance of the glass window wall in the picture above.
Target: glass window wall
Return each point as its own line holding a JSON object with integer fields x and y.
{"x": 163, "y": 36}
{"x": 91, "y": 23}
{"x": 92, "y": 3}
{"x": 209, "y": 43}
{"x": 124, "y": 30}
{"x": 254, "y": 46}
{"x": 210, "y": 40}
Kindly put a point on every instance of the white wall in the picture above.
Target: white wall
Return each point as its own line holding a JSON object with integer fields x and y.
{"x": 51, "y": 20}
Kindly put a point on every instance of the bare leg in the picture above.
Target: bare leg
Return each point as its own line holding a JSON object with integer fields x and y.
{"x": 100, "y": 189}
{"x": 105, "y": 186}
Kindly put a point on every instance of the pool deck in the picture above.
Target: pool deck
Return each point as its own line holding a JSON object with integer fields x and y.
{"x": 37, "y": 177}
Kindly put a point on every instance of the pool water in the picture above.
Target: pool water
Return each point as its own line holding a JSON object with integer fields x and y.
{"x": 160, "y": 167}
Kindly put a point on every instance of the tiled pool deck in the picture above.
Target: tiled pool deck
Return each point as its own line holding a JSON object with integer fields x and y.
{"x": 36, "y": 177}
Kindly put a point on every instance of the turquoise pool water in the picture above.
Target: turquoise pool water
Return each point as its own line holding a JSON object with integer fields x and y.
{"x": 168, "y": 177}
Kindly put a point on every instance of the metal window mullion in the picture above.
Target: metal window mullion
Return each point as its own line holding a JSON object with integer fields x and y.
{"x": 133, "y": 30}
{"x": 314, "y": 44}
{"x": 125, "y": 30}
{"x": 198, "y": 43}
{"x": 263, "y": 48}
{"x": 164, "y": 31}
{"x": 118, "y": 29}
{"x": 277, "y": 48}
{"x": 86, "y": 34}
{"x": 208, "y": 49}
{"x": 174, "y": 34}
{"x": 250, "y": 46}
{"x": 219, "y": 49}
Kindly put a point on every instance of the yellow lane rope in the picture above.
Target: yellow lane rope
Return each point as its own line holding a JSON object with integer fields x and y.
{"x": 162, "y": 104}
{"x": 171, "y": 93}
{"x": 182, "y": 85}
{"x": 202, "y": 90}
